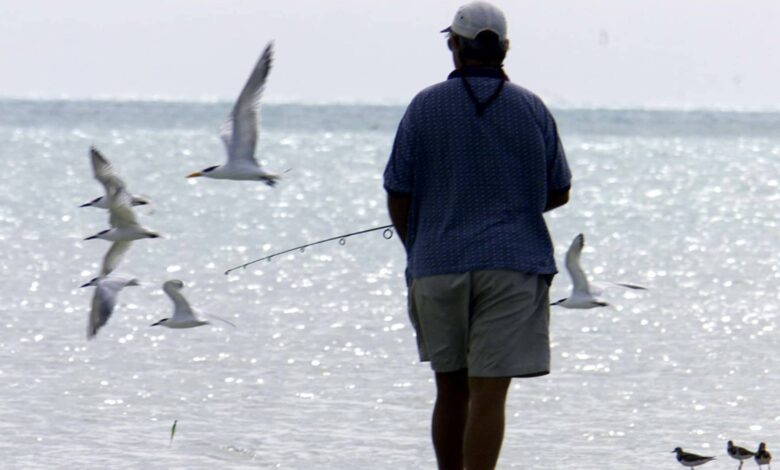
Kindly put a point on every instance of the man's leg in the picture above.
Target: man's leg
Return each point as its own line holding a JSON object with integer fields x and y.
{"x": 485, "y": 424}
{"x": 449, "y": 418}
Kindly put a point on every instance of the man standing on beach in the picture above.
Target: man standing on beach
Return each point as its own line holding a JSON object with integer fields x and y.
{"x": 475, "y": 163}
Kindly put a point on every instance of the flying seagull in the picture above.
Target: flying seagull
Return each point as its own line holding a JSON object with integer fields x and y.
{"x": 691, "y": 460}
{"x": 104, "y": 300}
{"x": 583, "y": 294}
{"x": 105, "y": 174}
{"x": 110, "y": 261}
{"x": 183, "y": 315}
{"x": 239, "y": 132}
{"x": 124, "y": 224}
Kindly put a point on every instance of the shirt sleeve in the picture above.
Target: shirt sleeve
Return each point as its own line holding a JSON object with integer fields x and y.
{"x": 399, "y": 174}
{"x": 558, "y": 172}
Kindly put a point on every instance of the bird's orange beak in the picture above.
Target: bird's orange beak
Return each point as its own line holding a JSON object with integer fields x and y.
{"x": 194, "y": 175}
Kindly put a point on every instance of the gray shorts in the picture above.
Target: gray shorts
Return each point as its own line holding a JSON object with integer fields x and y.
{"x": 494, "y": 323}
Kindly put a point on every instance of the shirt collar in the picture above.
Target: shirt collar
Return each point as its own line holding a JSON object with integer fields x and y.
{"x": 488, "y": 72}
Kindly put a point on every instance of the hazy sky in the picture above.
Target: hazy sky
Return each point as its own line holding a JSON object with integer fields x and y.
{"x": 671, "y": 53}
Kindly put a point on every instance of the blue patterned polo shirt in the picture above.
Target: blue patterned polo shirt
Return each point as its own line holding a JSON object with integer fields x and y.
{"x": 478, "y": 183}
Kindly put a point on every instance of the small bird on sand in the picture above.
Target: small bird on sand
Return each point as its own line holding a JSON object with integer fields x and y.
{"x": 763, "y": 457}
{"x": 739, "y": 453}
{"x": 183, "y": 315}
{"x": 104, "y": 300}
{"x": 583, "y": 294}
{"x": 688, "y": 459}
{"x": 239, "y": 132}
{"x": 105, "y": 174}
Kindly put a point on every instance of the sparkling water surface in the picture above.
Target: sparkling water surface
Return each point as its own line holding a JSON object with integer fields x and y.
{"x": 321, "y": 371}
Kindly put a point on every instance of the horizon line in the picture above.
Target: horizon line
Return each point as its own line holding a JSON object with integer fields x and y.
{"x": 381, "y": 103}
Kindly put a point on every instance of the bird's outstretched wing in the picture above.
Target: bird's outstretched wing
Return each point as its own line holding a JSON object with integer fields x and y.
{"x": 113, "y": 257}
{"x": 239, "y": 132}
{"x": 181, "y": 307}
{"x": 104, "y": 172}
{"x": 121, "y": 209}
{"x": 182, "y": 311}
{"x": 578, "y": 278}
{"x": 103, "y": 302}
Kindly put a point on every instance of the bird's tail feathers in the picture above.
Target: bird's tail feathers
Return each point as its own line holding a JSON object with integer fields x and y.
{"x": 214, "y": 317}
{"x": 272, "y": 178}
{"x": 630, "y": 286}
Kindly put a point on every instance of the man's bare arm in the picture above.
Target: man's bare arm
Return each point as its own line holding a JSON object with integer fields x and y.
{"x": 557, "y": 199}
{"x": 398, "y": 207}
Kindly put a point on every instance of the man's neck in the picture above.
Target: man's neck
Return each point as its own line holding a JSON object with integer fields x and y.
{"x": 478, "y": 63}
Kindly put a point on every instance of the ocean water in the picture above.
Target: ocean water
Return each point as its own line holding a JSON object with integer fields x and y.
{"x": 321, "y": 371}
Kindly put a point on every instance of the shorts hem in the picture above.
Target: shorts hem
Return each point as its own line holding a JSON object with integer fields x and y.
{"x": 525, "y": 373}
{"x": 519, "y": 374}
{"x": 447, "y": 368}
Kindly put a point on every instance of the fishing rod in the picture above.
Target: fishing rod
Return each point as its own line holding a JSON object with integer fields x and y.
{"x": 387, "y": 234}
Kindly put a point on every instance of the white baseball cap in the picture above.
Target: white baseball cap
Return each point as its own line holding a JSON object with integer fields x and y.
{"x": 475, "y": 17}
